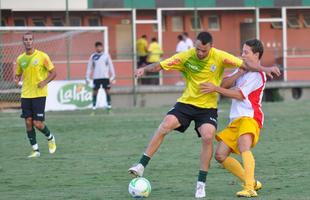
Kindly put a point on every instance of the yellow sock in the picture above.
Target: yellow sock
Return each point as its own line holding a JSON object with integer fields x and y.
{"x": 233, "y": 166}
{"x": 249, "y": 167}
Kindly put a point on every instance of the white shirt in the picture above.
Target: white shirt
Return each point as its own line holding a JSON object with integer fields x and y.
{"x": 101, "y": 65}
{"x": 251, "y": 85}
{"x": 181, "y": 46}
{"x": 189, "y": 43}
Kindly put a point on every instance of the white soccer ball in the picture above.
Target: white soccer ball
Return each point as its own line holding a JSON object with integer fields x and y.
{"x": 139, "y": 187}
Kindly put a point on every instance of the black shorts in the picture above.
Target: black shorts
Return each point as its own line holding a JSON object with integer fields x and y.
{"x": 33, "y": 107}
{"x": 185, "y": 113}
{"x": 105, "y": 82}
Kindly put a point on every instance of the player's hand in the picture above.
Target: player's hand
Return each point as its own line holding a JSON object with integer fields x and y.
{"x": 42, "y": 84}
{"x": 17, "y": 82}
{"x": 139, "y": 72}
{"x": 274, "y": 70}
{"x": 113, "y": 81}
{"x": 207, "y": 88}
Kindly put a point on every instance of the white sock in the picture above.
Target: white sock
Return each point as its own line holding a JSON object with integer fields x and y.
{"x": 50, "y": 137}
{"x": 35, "y": 147}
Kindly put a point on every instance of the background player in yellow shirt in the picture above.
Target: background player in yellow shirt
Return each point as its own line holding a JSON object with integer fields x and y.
{"x": 204, "y": 63}
{"x": 246, "y": 119}
{"x": 142, "y": 50}
{"x": 37, "y": 70}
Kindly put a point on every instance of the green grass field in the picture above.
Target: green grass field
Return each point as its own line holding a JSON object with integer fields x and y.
{"x": 94, "y": 153}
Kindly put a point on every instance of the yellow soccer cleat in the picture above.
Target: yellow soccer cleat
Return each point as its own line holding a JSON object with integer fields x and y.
{"x": 246, "y": 193}
{"x": 34, "y": 154}
{"x": 258, "y": 185}
{"x": 52, "y": 145}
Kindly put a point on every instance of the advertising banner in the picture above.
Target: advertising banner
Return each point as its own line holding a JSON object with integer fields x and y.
{"x": 72, "y": 95}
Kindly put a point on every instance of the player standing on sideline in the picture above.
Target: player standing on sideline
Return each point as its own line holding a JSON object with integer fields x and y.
{"x": 181, "y": 46}
{"x": 201, "y": 64}
{"x": 37, "y": 70}
{"x": 101, "y": 65}
{"x": 142, "y": 51}
{"x": 246, "y": 118}
{"x": 188, "y": 41}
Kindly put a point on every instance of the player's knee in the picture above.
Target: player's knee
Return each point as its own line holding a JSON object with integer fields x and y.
{"x": 29, "y": 123}
{"x": 207, "y": 137}
{"x": 164, "y": 128}
{"x": 219, "y": 157}
{"x": 38, "y": 124}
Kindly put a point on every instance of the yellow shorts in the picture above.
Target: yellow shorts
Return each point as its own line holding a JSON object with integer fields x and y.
{"x": 237, "y": 128}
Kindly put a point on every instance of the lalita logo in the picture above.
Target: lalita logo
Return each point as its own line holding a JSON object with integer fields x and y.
{"x": 76, "y": 94}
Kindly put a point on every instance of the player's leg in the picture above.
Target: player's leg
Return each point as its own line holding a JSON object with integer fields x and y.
{"x": 96, "y": 87}
{"x": 229, "y": 163}
{"x": 38, "y": 121}
{"x": 244, "y": 145}
{"x": 27, "y": 112}
{"x": 107, "y": 87}
{"x": 169, "y": 123}
{"x": 207, "y": 133}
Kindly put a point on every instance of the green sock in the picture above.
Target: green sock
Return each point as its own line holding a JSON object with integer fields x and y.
{"x": 202, "y": 176}
{"x": 32, "y": 137}
{"x": 46, "y": 132}
{"x": 144, "y": 160}
{"x": 94, "y": 100}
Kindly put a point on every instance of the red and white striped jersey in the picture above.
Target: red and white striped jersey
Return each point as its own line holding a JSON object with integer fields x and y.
{"x": 251, "y": 85}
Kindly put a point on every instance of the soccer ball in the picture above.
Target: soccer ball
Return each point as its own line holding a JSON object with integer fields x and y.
{"x": 139, "y": 188}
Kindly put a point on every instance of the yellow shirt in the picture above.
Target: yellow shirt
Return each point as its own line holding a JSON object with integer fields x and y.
{"x": 155, "y": 53}
{"x": 34, "y": 68}
{"x": 142, "y": 47}
{"x": 198, "y": 71}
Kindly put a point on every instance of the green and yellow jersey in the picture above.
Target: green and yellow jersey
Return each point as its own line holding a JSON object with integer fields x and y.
{"x": 197, "y": 71}
{"x": 34, "y": 68}
{"x": 142, "y": 47}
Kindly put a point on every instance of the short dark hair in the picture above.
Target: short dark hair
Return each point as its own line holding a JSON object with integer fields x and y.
{"x": 205, "y": 37}
{"x": 185, "y": 33}
{"x": 28, "y": 33}
{"x": 98, "y": 44}
{"x": 154, "y": 39}
{"x": 180, "y": 37}
{"x": 144, "y": 36}
{"x": 256, "y": 46}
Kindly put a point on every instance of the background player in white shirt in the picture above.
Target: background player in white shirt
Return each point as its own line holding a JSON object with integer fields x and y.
{"x": 101, "y": 65}
{"x": 188, "y": 41}
{"x": 181, "y": 46}
{"x": 246, "y": 91}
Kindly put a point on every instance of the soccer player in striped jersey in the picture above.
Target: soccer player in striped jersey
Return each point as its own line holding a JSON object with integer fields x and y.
{"x": 246, "y": 119}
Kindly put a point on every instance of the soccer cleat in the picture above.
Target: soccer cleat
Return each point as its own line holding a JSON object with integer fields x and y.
{"x": 136, "y": 170}
{"x": 200, "y": 190}
{"x": 258, "y": 185}
{"x": 34, "y": 154}
{"x": 52, "y": 145}
{"x": 246, "y": 193}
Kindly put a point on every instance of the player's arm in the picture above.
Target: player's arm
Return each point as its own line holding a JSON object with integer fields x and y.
{"x": 111, "y": 68}
{"x": 18, "y": 74}
{"x": 154, "y": 67}
{"x": 51, "y": 76}
{"x": 254, "y": 66}
{"x": 230, "y": 80}
{"x": 231, "y": 93}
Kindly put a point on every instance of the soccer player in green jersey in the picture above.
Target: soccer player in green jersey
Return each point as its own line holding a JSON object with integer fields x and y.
{"x": 201, "y": 64}
{"x": 37, "y": 70}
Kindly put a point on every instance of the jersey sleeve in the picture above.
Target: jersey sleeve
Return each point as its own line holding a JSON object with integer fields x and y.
{"x": 175, "y": 62}
{"x": 254, "y": 82}
{"x": 229, "y": 60}
{"x": 19, "y": 69}
{"x": 48, "y": 63}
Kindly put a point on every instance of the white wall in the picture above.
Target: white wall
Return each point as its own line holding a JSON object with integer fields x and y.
{"x": 43, "y": 5}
